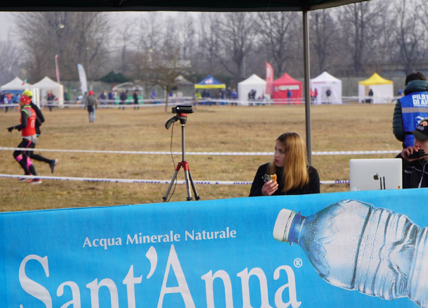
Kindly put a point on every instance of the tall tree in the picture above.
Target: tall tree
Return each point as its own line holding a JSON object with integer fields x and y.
{"x": 280, "y": 34}
{"x": 323, "y": 37}
{"x": 126, "y": 34}
{"x": 408, "y": 34}
{"x": 236, "y": 38}
{"x": 83, "y": 38}
{"x": 360, "y": 28}
{"x": 208, "y": 42}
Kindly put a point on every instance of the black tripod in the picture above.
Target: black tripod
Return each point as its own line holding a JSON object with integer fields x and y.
{"x": 189, "y": 180}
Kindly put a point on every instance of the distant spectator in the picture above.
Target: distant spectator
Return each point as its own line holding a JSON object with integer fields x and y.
{"x": 315, "y": 95}
{"x": 123, "y": 97}
{"x": 9, "y": 97}
{"x": 103, "y": 98}
{"x": 228, "y": 93}
{"x": 235, "y": 97}
{"x": 370, "y": 100}
{"x": 16, "y": 98}
{"x": 2, "y": 100}
{"x": 153, "y": 96}
{"x": 289, "y": 95}
{"x": 135, "y": 97}
{"x": 328, "y": 95}
{"x": 66, "y": 96}
{"x": 50, "y": 99}
{"x": 110, "y": 97}
{"x": 91, "y": 103}
{"x": 312, "y": 95}
{"x": 5, "y": 102}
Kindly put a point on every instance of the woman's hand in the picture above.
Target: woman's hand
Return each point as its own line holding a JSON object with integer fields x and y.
{"x": 269, "y": 188}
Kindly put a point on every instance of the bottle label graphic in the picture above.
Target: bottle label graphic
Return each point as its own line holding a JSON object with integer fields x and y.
{"x": 355, "y": 246}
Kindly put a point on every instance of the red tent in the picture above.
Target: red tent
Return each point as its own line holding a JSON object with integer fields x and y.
{"x": 285, "y": 83}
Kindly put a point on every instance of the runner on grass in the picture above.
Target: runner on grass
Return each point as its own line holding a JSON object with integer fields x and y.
{"x": 29, "y": 138}
{"x": 52, "y": 162}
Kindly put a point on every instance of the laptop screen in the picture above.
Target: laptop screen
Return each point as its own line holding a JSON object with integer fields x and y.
{"x": 375, "y": 174}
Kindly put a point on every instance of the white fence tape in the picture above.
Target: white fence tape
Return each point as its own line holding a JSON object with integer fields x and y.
{"x": 202, "y": 153}
{"x": 100, "y": 180}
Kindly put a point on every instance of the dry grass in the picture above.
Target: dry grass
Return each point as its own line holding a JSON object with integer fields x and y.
{"x": 210, "y": 128}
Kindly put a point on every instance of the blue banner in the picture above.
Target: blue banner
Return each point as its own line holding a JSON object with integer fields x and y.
{"x": 218, "y": 253}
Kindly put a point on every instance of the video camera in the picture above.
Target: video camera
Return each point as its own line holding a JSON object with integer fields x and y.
{"x": 181, "y": 111}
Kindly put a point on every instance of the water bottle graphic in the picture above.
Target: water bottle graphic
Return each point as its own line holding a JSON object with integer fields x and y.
{"x": 356, "y": 246}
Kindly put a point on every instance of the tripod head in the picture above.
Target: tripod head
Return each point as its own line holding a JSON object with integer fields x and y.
{"x": 181, "y": 111}
{"x": 180, "y": 116}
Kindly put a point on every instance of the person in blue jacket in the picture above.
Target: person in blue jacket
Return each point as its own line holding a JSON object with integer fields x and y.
{"x": 411, "y": 108}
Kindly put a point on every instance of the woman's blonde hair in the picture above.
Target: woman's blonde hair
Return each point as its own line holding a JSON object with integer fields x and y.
{"x": 295, "y": 173}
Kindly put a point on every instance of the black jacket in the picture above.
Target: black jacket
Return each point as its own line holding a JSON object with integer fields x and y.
{"x": 39, "y": 116}
{"x": 313, "y": 187}
{"x": 414, "y": 173}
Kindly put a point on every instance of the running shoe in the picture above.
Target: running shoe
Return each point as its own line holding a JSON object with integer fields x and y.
{"x": 23, "y": 180}
{"x": 53, "y": 165}
{"x": 36, "y": 181}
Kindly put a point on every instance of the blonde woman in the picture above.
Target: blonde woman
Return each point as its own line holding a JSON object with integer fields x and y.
{"x": 290, "y": 164}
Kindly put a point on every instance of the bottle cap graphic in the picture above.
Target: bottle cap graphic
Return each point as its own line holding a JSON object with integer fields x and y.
{"x": 283, "y": 224}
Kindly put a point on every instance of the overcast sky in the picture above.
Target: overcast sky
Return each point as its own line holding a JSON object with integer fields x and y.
{"x": 5, "y": 25}
{"x": 6, "y": 20}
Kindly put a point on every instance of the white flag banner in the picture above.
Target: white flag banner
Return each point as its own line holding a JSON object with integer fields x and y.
{"x": 82, "y": 78}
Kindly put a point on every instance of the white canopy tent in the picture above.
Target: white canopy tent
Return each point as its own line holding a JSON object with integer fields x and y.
{"x": 253, "y": 82}
{"x": 16, "y": 84}
{"x": 45, "y": 85}
{"x": 324, "y": 82}
{"x": 20, "y": 85}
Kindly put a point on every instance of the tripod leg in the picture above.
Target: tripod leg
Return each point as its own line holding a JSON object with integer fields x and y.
{"x": 186, "y": 168}
{"x": 189, "y": 194}
{"x": 193, "y": 187}
{"x": 165, "y": 198}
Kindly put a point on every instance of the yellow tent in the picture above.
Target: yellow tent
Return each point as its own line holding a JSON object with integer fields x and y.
{"x": 375, "y": 90}
{"x": 375, "y": 79}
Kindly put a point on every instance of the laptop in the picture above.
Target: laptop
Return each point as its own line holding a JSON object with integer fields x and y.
{"x": 375, "y": 174}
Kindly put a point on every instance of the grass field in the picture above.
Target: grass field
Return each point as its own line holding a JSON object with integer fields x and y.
{"x": 352, "y": 127}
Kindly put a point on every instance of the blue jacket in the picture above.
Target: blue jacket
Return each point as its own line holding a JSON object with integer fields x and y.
{"x": 407, "y": 119}
{"x": 414, "y": 108}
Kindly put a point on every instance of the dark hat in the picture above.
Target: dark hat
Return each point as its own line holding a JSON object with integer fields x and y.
{"x": 421, "y": 131}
